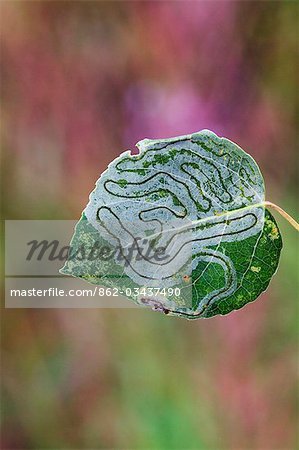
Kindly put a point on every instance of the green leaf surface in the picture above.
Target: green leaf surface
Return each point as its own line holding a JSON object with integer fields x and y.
{"x": 199, "y": 201}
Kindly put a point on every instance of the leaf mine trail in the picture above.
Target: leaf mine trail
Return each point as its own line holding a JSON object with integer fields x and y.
{"x": 201, "y": 199}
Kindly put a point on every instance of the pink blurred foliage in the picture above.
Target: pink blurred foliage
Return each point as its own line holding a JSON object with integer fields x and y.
{"x": 160, "y": 111}
{"x": 78, "y": 95}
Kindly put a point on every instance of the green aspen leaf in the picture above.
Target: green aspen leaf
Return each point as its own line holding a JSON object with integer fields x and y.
{"x": 181, "y": 227}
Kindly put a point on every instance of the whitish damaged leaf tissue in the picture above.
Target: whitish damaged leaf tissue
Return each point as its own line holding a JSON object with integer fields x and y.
{"x": 185, "y": 225}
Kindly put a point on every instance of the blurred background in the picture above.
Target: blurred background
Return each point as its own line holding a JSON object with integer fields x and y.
{"x": 82, "y": 82}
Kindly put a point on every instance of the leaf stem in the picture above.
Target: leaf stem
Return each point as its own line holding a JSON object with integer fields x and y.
{"x": 283, "y": 214}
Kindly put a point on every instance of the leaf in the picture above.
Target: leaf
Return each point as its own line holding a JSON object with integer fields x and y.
{"x": 181, "y": 227}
